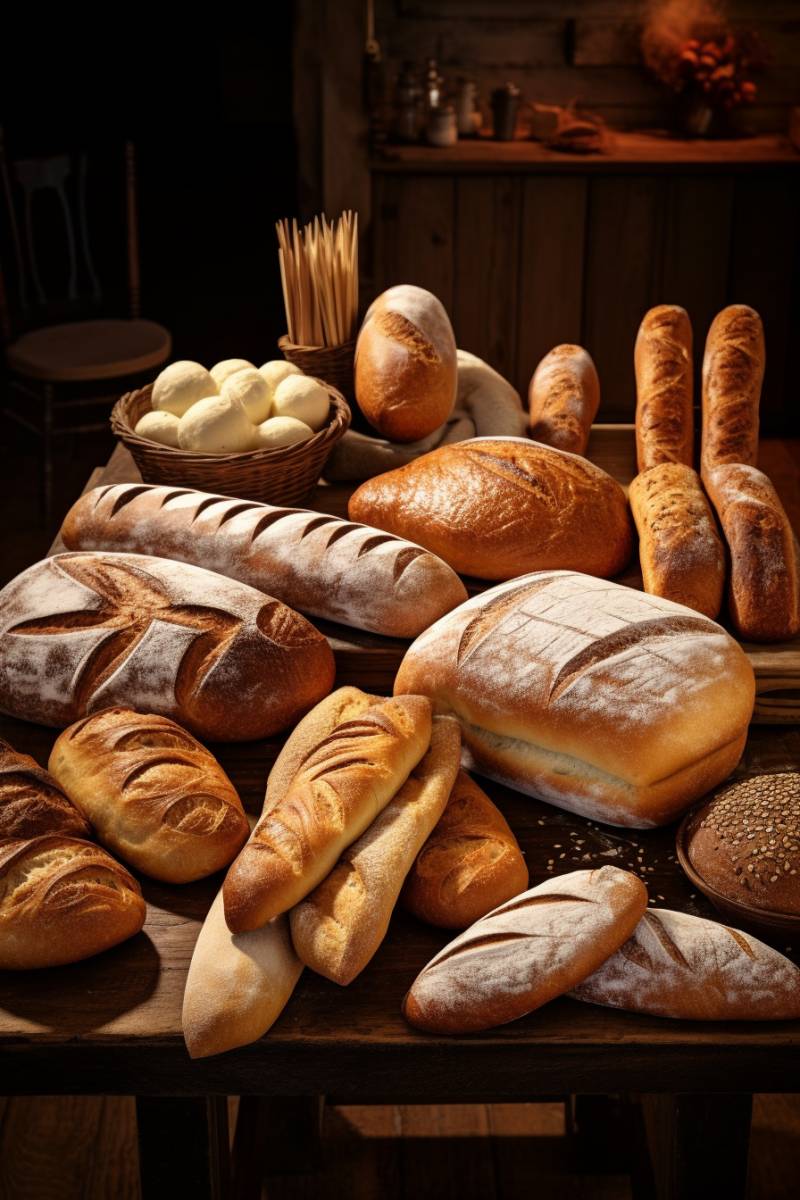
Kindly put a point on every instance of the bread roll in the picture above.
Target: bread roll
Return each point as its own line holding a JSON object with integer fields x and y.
{"x": 339, "y": 926}
{"x": 32, "y": 803}
{"x": 676, "y": 965}
{"x": 664, "y": 388}
{"x": 327, "y": 567}
{"x": 530, "y": 950}
{"x": 405, "y": 364}
{"x": 338, "y": 791}
{"x": 680, "y": 551}
{"x": 764, "y": 586}
{"x": 498, "y": 507}
{"x": 180, "y": 385}
{"x": 469, "y": 865}
{"x": 249, "y": 388}
{"x": 733, "y": 371}
{"x": 277, "y": 432}
{"x": 161, "y": 427}
{"x": 216, "y": 425}
{"x": 157, "y": 798}
{"x": 238, "y": 984}
{"x": 276, "y": 370}
{"x": 227, "y": 367}
{"x": 563, "y": 399}
{"x": 61, "y": 900}
{"x": 302, "y": 398}
{"x": 600, "y": 699}
{"x": 79, "y": 632}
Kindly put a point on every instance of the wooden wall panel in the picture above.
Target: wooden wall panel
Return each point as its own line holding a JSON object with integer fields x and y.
{"x": 486, "y": 268}
{"x": 551, "y": 268}
{"x": 414, "y": 223}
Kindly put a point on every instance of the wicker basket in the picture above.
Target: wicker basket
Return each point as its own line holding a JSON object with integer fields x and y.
{"x": 334, "y": 364}
{"x": 284, "y": 476}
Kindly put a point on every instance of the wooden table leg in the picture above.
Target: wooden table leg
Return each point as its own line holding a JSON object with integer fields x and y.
{"x": 275, "y": 1137}
{"x": 698, "y": 1144}
{"x": 184, "y": 1148}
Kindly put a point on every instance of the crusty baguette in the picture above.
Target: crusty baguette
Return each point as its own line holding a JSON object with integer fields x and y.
{"x": 733, "y": 371}
{"x": 237, "y": 985}
{"x": 61, "y": 900}
{"x": 338, "y": 791}
{"x": 318, "y": 564}
{"x": 80, "y": 632}
{"x": 156, "y": 797}
{"x": 664, "y": 388}
{"x": 339, "y": 926}
{"x": 32, "y": 803}
{"x": 764, "y": 587}
{"x": 526, "y": 952}
{"x": 470, "y": 864}
{"x": 680, "y": 551}
{"x": 563, "y": 399}
{"x": 677, "y": 965}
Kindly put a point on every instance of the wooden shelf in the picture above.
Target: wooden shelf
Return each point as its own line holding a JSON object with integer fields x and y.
{"x": 654, "y": 151}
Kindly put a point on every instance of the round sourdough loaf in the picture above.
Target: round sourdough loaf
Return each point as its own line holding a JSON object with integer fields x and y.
{"x": 499, "y": 507}
{"x": 603, "y": 700}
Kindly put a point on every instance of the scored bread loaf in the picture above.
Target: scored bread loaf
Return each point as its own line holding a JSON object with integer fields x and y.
{"x": 238, "y": 984}
{"x": 157, "y": 798}
{"x": 563, "y": 399}
{"x": 405, "y": 364}
{"x": 339, "y": 926}
{"x": 617, "y": 705}
{"x": 526, "y": 952}
{"x": 469, "y": 865}
{"x": 62, "y": 899}
{"x": 677, "y": 965}
{"x": 79, "y": 632}
{"x": 341, "y": 786}
{"x": 318, "y": 564}
{"x": 764, "y": 586}
{"x": 680, "y": 551}
{"x": 498, "y": 507}
{"x": 733, "y": 371}
{"x": 32, "y": 803}
{"x": 664, "y": 388}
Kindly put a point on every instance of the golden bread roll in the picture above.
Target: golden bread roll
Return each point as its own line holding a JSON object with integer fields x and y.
{"x": 563, "y": 399}
{"x": 32, "y": 803}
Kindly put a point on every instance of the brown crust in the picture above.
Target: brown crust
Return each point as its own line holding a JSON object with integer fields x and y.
{"x": 664, "y": 388}
{"x": 500, "y": 507}
{"x": 469, "y": 865}
{"x": 733, "y": 371}
{"x": 32, "y": 803}
{"x": 563, "y": 399}
{"x": 680, "y": 550}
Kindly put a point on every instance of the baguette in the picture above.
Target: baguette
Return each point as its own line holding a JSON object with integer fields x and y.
{"x": 530, "y": 950}
{"x": 733, "y": 371}
{"x": 563, "y": 399}
{"x": 320, "y": 565}
{"x": 680, "y": 551}
{"x": 32, "y": 803}
{"x": 677, "y": 965}
{"x": 338, "y": 791}
{"x": 664, "y": 388}
{"x": 470, "y": 864}
{"x": 764, "y": 587}
{"x": 237, "y": 986}
{"x": 339, "y": 926}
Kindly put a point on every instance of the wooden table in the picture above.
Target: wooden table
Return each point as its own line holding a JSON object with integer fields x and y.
{"x": 112, "y": 1025}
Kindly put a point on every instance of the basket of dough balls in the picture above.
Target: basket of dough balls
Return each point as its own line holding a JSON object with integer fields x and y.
{"x": 262, "y": 433}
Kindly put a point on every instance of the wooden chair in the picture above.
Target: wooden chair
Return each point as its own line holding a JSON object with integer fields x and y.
{"x": 68, "y": 349}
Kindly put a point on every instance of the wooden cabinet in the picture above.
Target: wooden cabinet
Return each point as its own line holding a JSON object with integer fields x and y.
{"x": 527, "y": 249}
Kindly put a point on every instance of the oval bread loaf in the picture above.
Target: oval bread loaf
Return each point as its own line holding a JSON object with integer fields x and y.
{"x": 733, "y": 371}
{"x": 563, "y": 399}
{"x": 79, "y": 632}
{"x": 157, "y": 798}
{"x": 664, "y": 388}
{"x": 526, "y": 952}
{"x": 32, "y": 803}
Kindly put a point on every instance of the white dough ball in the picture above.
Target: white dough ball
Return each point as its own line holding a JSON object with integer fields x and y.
{"x": 216, "y": 425}
{"x": 158, "y": 427}
{"x": 251, "y": 390}
{"x": 303, "y": 398}
{"x": 180, "y": 385}
{"x": 276, "y": 370}
{"x": 281, "y": 431}
{"x": 229, "y": 366}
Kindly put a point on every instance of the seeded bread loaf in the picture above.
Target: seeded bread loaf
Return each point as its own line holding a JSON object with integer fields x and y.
{"x": 32, "y": 803}
{"x": 664, "y": 388}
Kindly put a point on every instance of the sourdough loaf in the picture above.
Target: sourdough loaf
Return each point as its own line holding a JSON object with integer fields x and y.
{"x": 664, "y": 387}
{"x": 32, "y": 803}
{"x": 563, "y": 399}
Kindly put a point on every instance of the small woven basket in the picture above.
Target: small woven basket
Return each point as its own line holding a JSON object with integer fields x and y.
{"x": 284, "y": 476}
{"x": 333, "y": 364}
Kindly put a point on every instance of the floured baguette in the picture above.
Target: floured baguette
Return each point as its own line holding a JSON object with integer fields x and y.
{"x": 339, "y": 926}
{"x": 677, "y": 965}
